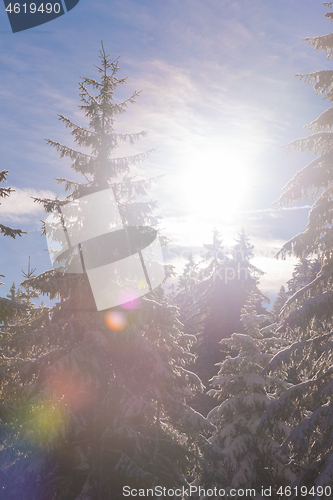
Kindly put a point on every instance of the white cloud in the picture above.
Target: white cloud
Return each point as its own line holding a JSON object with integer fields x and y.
{"x": 277, "y": 273}
{"x": 275, "y": 210}
{"x": 20, "y": 205}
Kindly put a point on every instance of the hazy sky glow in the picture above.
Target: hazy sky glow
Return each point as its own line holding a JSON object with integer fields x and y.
{"x": 219, "y": 98}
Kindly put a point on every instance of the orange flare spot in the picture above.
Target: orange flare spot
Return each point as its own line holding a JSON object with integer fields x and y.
{"x": 115, "y": 320}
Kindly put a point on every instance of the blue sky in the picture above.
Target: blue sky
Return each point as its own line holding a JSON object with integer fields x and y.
{"x": 219, "y": 98}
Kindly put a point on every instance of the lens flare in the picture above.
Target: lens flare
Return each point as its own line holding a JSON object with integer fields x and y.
{"x": 70, "y": 388}
{"x": 130, "y": 300}
{"x": 46, "y": 419}
{"x": 115, "y": 320}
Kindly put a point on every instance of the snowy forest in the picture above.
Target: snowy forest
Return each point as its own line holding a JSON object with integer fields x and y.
{"x": 200, "y": 391}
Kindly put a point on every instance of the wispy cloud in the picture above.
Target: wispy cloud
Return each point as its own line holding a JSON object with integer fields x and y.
{"x": 20, "y": 207}
{"x": 275, "y": 210}
{"x": 219, "y": 97}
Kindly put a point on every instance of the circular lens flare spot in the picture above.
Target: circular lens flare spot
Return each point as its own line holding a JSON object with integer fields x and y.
{"x": 130, "y": 300}
{"x": 142, "y": 284}
{"x": 115, "y": 320}
{"x": 46, "y": 419}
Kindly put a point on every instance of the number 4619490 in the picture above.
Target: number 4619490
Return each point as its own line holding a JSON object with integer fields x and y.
{"x": 32, "y": 8}
{"x": 304, "y": 491}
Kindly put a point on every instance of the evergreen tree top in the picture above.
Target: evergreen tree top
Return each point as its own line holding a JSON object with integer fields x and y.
{"x": 243, "y": 250}
{"x": 99, "y": 166}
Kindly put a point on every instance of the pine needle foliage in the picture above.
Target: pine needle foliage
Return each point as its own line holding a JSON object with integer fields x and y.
{"x": 241, "y": 455}
{"x": 211, "y": 295}
{"x": 100, "y": 168}
{"x": 4, "y": 193}
{"x": 307, "y": 323}
{"x": 96, "y": 408}
{"x": 8, "y": 306}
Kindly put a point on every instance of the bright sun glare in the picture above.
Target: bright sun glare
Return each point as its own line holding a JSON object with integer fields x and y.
{"x": 215, "y": 183}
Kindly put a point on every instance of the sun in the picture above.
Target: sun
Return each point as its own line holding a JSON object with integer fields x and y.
{"x": 214, "y": 183}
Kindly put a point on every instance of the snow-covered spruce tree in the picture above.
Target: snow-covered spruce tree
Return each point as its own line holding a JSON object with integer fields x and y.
{"x": 19, "y": 302}
{"x": 241, "y": 455}
{"x": 218, "y": 294}
{"x": 207, "y": 315}
{"x": 244, "y": 278}
{"x": 101, "y": 398}
{"x": 21, "y": 317}
{"x": 307, "y": 406}
{"x": 185, "y": 290}
{"x": 279, "y": 302}
{"x": 11, "y": 307}
{"x": 7, "y": 307}
{"x": 305, "y": 271}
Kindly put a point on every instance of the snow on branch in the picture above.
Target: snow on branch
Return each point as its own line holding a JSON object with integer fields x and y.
{"x": 131, "y": 137}
{"x": 319, "y": 306}
{"x": 194, "y": 420}
{"x": 130, "y": 160}
{"x": 312, "y": 143}
{"x": 322, "y": 81}
{"x": 300, "y": 245}
{"x": 307, "y": 182}
{"x": 280, "y": 408}
{"x": 324, "y": 43}
{"x": 323, "y": 274}
{"x": 301, "y": 437}
{"x": 324, "y": 121}
{"x": 284, "y": 356}
{"x": 192, "y": 378}
{"x": 243, "y": 342}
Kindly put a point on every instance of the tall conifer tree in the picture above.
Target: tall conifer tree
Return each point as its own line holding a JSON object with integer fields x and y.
{"x": 207, "y": 316}
{"x": 241, "y": 455}
{"x": 308, "y": 313}
{"x": 102, "y": 400}
{"x": 217, "y": 295}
